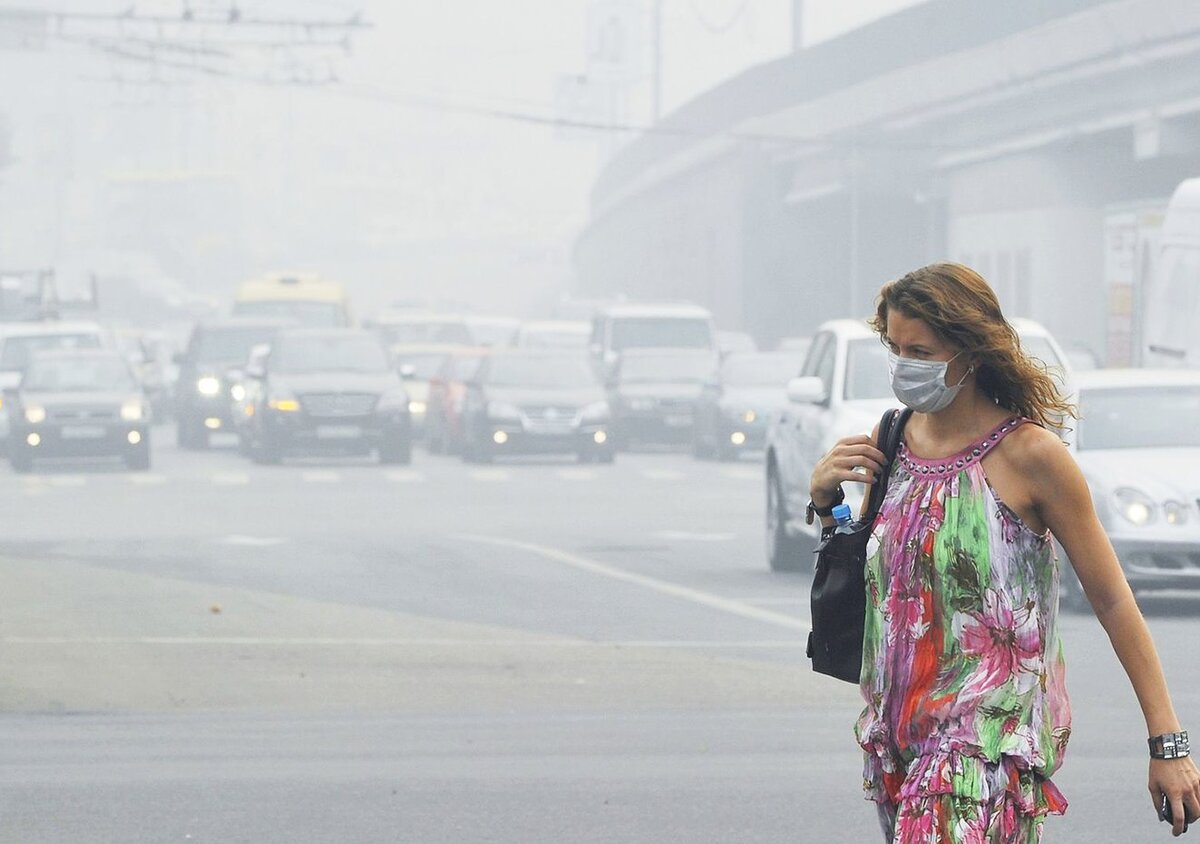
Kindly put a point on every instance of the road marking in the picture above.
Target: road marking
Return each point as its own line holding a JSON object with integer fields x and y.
{"x": 663, "y": 474}
{"x": 320, "y": 476}
{"x": 230, "y": 479}
{"x": 577, "y": 474}
{"x": 405, "y": 476}
{"x": 686, "y": 536}
{"x": 398, "y": 642}
{"x": 147, "y": 480}
{"x": 740, "y": 473}
{"x": 68, "y": 480}
{"x": 252, "y": 541}
{"x": 489, "y": 475}
{"x": 696, "y": 596}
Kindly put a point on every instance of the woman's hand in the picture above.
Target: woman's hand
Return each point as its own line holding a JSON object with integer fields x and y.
{"x": 839, "y": 465}
{"x": 1179, "y": 781}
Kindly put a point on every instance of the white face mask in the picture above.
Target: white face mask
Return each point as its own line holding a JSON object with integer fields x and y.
{"x": 921, "y": 384}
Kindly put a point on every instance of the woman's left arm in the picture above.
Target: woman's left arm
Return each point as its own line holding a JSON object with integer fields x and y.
{"x": 1062, "y": 499}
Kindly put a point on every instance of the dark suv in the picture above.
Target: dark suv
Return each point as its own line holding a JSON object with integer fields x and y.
{"x": 210, "y": 370}
{"x": 325, "y": 390}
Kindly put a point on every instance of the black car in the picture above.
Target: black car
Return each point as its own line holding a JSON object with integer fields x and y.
{"x": 78, "y": 403}
{"x": 653, "y": 394}
{"x": 210, "y": 374}
{"x": 732, "y": 411}
{"x": 324, "y": 391}
{"x": 526, "y": 402}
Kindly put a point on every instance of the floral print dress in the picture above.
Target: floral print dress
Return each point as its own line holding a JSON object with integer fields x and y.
{"x": 967, "y": 713}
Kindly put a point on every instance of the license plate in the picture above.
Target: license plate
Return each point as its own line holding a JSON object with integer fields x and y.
{"x": 83, "y": 432}
{"x": 677, "y": 421}
{"x": 339, "y": 432}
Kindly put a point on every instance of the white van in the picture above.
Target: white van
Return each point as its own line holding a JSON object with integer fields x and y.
{"x": 649, "y": 326}
{"x": 1169, "y": 334}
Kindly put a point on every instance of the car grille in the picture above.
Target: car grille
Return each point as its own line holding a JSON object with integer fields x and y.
{"x": 550, "y": 413}
{"x": 676, "y": 405}
{"x": 339, "y": 405}
{"x": 82, "y": 415}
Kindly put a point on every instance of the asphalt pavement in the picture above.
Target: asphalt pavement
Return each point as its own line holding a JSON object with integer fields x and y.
{"x": 534, "y": 650}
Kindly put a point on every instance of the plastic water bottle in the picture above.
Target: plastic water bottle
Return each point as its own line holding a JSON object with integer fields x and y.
{"x": 844, "y": 516}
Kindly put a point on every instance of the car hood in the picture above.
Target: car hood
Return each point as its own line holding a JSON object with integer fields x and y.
{"x": 661, "y": 390}
{"x": 860, "y": 417}
{"x": 1159, "y": 472}
{"x": 338, "y": 382}
{"x": 79, "y": 400}
{"x": 761, "y": 399}
{"x": 522, "y": 396}
{"x": 417, "y": 390}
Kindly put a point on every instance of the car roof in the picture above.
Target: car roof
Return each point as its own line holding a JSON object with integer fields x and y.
{"x": 650, "y": 309}
{"x": 402, "y": 317}
{"x": 245, "y": 322}
{"x": 301, "y": 333}
{"x": 46, "y": 329}
{"x": 668, "y": 352}
{"x": 580, "y": 325}
{"x": 1101, "y": 379}
{"x": 290, "y": 287}
{"x": 851, "y": 328}
{"x": 52, "y": 354}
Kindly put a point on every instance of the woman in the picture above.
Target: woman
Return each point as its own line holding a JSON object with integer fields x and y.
{"x": 967, "y": 714}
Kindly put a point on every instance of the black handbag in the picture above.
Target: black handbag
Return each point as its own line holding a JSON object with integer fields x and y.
{"x": 839, "y": 590}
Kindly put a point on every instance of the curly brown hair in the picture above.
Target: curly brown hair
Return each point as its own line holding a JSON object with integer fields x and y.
{"x": 962, "y": 308}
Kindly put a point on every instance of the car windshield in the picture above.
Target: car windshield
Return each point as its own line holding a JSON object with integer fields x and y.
{"x": 360, "y": 353}
{"x": 309, "y": 314}
{"x": 1138, "y": 417}
{"x": 867, "y": 375}
{"x": 493, "y": 333}
{"x": 218, "y": 345}
{"x": 673, "y": 368}
{"x": 424, "y": 366}
{"x": 104, "y": 374}
{"x": 427, "y": 331}
{"x": 537, "y": 371}
{"x": 19, "y": 350}
{"x": 661, "y": 332}
{"x": 759, "y": 370}
{"x": 554, "y": 339}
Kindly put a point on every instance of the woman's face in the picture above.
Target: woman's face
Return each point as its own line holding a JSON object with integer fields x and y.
{"x": 910, "y": 337}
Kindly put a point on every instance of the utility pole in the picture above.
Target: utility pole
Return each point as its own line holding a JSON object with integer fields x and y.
{"x": 797, "y": 25}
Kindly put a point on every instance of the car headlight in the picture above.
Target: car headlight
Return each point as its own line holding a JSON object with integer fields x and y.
{"x": 237, "y": 392}
{"x": 133, "y": 411}
{"x": 749, "y": 416}
{"x": 502, "y": 410}
{"x": 417, "y": 408}
{"x": 35, "y": 414}
{"x": 1135, "y": 506}
{"x": 596, "y": 411}
{"x": 208, "y": 386}
{"x": 1175, "y": 512}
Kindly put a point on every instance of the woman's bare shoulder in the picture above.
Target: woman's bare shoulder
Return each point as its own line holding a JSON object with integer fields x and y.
{"x": 1035, "y": 449}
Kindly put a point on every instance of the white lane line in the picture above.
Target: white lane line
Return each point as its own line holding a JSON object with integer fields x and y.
{"x": 687, "y": 536}
{"x": 696, "y": 596}
{"x": 68, "y": 480}
{"x": 405, "y": 476}
{"x": 252, "y": 541}
{"x": 320, "y": 476}
{"x": 147, "y": 480}
{"x": 230, "y": 479}
{"x": 663, "y": 474}
{"x": 397, "y": 642}
{"x": 739, "y": 473}
{"x": 489, "y": 475}
{"x": 577, "y": 474}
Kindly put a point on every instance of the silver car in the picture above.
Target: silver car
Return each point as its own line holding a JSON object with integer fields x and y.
{"x": 1138, "y": 443}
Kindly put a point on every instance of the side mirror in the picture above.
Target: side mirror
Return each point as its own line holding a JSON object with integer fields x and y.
{"x": 408, "y": 372}
{"x": 807, "y": 390}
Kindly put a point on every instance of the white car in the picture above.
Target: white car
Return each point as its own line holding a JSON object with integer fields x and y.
{"x": 554, "y": 334}
{"x": 19, "y": 341}
{"x": 843, "y": 389}
{"x": 1138, "y": 443}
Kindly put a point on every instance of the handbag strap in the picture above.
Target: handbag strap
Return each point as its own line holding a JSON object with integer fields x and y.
{"x": 891, "y": 428}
